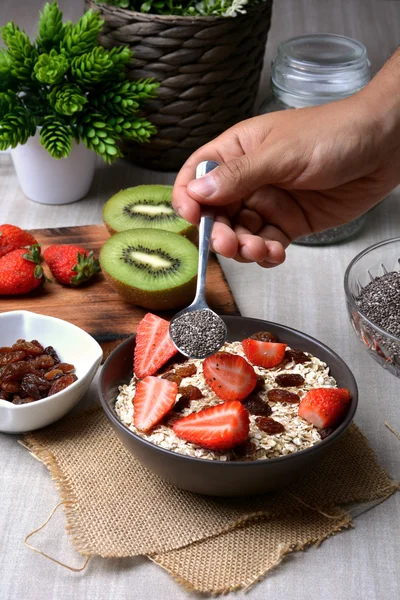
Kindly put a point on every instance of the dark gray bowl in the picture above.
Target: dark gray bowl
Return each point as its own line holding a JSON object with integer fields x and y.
{"x": 225, "y": 478}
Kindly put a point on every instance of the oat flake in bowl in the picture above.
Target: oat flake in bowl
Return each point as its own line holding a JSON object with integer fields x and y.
{"x": 298, "y": 434}
{"x": 215, "y": 474}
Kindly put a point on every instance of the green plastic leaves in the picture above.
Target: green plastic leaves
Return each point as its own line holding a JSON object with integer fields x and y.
{"x": 67, "y": 99}
{"x": 51, "y": 28}
{"x": 222, "y": 8}
{"x": 71, "y": 86}
{"x": 16, "y": 124}
{"x": 125, "y": 98}
{"x": 97, "y": 135}
{"x": 7, "y": 80}
{"x": 50, "y": 68}
{"x": 99, "y": 65}
{"x": 56, "y": 137}
{"x": 82, "y": 37}
{"x": 21, "y": 52}
{"x": 137, "y": 129}
{"x": 8, "y": 101}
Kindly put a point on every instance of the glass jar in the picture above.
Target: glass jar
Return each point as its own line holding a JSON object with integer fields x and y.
{"x": 311, "y": 70}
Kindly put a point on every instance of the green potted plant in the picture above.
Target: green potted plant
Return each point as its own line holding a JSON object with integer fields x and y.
{"x": 64, "y": 99}
{"x": 207, "y": 55}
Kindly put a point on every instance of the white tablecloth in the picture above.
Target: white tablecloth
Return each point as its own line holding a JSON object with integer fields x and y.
{"x": 305, "y": 293}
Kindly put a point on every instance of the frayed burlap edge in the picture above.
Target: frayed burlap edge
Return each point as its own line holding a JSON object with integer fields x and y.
{"x": 81, "y": 544}
{"x": 68, "y": 499}
{"x": 344, "y": 521}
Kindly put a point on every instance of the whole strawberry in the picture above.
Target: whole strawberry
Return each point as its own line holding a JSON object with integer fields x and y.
{"x": 13, "y": 237}
{"x": 20, "y": 271}
{"x": 71, "y": 264}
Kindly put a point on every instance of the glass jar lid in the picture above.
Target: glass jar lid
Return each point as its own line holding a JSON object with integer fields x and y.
{"x": 315, "y": 69}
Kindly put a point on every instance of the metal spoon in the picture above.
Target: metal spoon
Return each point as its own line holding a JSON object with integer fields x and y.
{"x": 197, "y": 331}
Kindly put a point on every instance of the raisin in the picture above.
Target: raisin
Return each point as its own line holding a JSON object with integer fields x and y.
{"x": 264, "y": 336}
{"x": 28, "y": 347}
{"x": 19, "y": 400}
{"x": 181, "y": 404}
{"x": 30, "y": 391}
{"x": 324, "y": 433}
{"x": 34, "y": 386}
{"x": 11, "y": 387}
{"x": 13, "y": 356}
{"x": 51, "y": 352}
{"x": 186, "y": 370}
{"x": 44, "y": 361}
{"x": 256, "y": 406}
{"x": 38, "y": 344}
{"x": 177, "y": 359}
{"x": 5, "y": 350}
{"x": 278, "y": 395}
{"x": 171, "y": 418}
{"x": 16, "y": 371}
{"x": 53, "y": 374}
{"x": 39, "y": 372}
{"x": 296, "y": 356}
{"x": 3, "y": 370}
{"x": 27, "y": 373}
{"x": 243, "y": 450}
{"x": 65, "y": 367}
{"x": 269, "y": 425}
{"x": 260, "y": 383}
{"x": 191, "y": 391}
{"x": 172, "y": 377}
{"x": 62, "y": 383}
{"x": 289, "y": 379}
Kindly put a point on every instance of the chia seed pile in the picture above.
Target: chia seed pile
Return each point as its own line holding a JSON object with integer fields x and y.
{"x": 199, "y": 333}
{"x": 380, "y": 302}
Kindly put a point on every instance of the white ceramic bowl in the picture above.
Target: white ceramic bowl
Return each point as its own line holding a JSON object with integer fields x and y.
{"x": 72, "y": 344}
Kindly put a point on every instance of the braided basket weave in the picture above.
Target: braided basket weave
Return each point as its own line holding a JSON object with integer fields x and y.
{"x": 209, "y": 69}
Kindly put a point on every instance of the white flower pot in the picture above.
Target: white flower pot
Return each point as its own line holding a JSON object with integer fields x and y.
{"x": 47, "y": 180}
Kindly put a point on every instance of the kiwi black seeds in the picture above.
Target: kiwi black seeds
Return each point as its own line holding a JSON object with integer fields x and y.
{"x": 199, "y": 333}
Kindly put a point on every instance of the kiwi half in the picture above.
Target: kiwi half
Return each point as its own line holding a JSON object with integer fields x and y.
{"x": 150, "y": 267}
{"x": 144, "y": 206}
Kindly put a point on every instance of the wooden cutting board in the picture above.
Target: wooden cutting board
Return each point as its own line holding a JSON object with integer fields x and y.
{"x": 96, "y": 307}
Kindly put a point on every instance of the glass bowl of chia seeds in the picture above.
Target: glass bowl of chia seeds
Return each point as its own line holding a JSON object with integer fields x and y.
{"x": 372, "y": 287}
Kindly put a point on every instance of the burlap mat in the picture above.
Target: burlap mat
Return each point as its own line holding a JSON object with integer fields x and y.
{"x": 115, "y": 507}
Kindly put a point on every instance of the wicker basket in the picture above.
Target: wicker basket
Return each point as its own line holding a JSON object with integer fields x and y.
{"x": 209, "y": 69}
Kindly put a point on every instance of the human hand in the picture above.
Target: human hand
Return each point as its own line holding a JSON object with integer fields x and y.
{"x": 292, "y": 173}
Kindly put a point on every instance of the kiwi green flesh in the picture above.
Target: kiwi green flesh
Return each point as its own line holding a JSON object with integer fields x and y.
{"x": 150, "y": 260}
{"x": 144, "y": 206}
{"x": 172, "y": 299}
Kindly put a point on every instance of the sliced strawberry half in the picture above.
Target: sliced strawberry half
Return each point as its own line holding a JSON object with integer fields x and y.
{"x": 153, "y": 345}
{"x": 264, "y": 354}
{"x": 218, "y": 428}
{"x": 230, "y": 376}
{"x": 154, "y": 397}
{"x": 324, "y": 407}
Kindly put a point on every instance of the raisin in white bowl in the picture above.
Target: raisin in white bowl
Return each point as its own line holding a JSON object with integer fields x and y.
{"x": 72, "y": 344}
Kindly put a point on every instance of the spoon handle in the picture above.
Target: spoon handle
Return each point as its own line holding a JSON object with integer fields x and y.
{"x": 205, "y": 229}
{"x": 206, "y": 225}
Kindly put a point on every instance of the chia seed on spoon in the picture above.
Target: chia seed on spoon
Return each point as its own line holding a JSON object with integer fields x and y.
{"x": 198, "y": 333}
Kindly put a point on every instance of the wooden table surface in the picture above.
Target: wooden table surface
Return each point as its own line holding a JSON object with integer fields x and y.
{"x": 305, "y": 293}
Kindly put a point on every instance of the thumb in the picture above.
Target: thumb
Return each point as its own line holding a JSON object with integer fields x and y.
{"x": 230, "y": 181}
